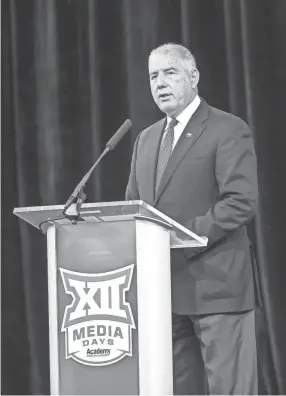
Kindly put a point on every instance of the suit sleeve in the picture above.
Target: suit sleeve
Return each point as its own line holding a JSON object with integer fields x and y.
{"x": 236, "y": 174}
{"x": 132, "y": 192}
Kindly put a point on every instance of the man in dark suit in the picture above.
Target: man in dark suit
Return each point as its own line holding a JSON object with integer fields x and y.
{"x": 198, "y": 166}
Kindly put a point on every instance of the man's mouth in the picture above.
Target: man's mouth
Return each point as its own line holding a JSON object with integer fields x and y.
{"x": 164, "y": 96}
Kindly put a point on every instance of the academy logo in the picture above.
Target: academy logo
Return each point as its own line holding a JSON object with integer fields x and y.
{"x": 98, "y": 323}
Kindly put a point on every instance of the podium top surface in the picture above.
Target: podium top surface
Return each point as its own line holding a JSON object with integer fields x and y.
{"x": 109, "y": 211}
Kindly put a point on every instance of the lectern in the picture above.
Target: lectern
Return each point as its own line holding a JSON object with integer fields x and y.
{"x": 109, "y": 289}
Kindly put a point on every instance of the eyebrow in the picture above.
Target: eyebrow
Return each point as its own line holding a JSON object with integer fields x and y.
{"x": 165, "y": 70}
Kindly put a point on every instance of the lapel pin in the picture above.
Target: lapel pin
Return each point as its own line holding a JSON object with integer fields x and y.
{"x": 188, "y": 135}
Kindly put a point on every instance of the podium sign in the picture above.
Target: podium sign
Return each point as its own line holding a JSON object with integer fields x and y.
{"x": 97, "y": 308}
{"x": 110, "y": 327}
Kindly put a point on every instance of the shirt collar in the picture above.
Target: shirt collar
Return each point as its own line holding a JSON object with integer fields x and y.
{"x": 185, "y": 115}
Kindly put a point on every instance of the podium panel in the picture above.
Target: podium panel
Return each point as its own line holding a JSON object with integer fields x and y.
{"x": 96, "y": 324}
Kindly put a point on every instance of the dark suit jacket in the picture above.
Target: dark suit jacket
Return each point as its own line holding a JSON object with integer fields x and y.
{"x": 210, "y": 187}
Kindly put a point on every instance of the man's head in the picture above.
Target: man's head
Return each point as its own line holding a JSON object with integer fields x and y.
{"x": 173, "y": 78}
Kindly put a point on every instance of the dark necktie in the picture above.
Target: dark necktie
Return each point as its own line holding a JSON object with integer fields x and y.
{"x": 165, "y": 151}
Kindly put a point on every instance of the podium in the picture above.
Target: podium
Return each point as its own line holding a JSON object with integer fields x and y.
{"x": 110, "y": 322}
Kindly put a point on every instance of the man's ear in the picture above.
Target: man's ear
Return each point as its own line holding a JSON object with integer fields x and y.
{"x": 195, "y": 77}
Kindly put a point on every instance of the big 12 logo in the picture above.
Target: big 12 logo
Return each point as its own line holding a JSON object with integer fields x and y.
{"x": 98, "y": 323}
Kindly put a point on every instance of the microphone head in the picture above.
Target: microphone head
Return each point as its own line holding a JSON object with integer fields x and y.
{"x": 115, "y": 139}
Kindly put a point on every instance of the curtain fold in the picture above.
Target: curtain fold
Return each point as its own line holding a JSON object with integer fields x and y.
{"x": 72, "y": 73}
{"x": 47, "y": 76}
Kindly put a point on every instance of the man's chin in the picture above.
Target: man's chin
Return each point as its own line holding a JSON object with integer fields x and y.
{"x": 167, "y": 108}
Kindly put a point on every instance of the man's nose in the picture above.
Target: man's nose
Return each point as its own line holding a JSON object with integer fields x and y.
{"x": 161, "y": 82}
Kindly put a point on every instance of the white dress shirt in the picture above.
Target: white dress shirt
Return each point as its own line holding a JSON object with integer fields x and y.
{"x": 183, "y": 118}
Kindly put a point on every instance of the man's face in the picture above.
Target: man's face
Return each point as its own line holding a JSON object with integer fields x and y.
{"x": 171, "y": 85}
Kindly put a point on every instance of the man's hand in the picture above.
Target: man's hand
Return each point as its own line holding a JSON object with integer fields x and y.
{"x": 175, "y": 240}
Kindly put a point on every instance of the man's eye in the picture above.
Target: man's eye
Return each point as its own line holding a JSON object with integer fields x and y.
{"x": 170, "y": 72}
{"x": 152, "y": 77}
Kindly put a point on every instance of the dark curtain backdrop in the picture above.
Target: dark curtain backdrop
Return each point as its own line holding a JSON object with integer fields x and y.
{"x": 72, "y": 72}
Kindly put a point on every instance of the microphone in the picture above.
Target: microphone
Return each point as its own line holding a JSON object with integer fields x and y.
{"x": 78, "y": 193}
{"x": 115, "y": 139}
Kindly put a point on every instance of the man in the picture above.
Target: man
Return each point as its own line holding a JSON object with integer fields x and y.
{"x": 198, "y": 166}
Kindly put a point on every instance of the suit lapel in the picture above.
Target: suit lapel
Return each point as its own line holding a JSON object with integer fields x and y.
{"x": 151, "y": 158}
{"x": 191, "y": 133}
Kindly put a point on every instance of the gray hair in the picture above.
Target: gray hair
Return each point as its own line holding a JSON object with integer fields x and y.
{"x": 187, "y": 58}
